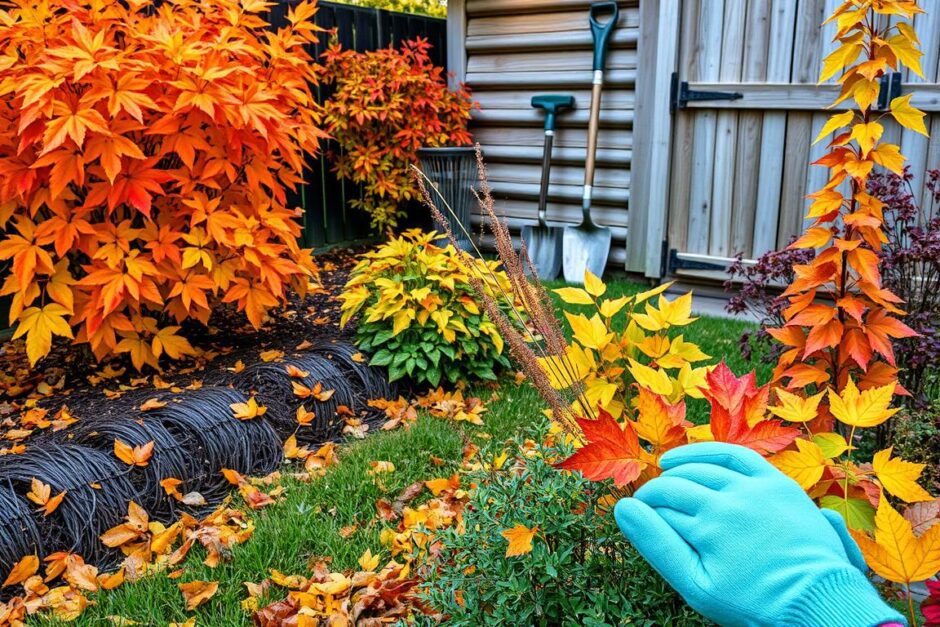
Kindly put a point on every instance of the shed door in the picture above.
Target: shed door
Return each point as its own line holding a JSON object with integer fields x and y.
{"x": 740, "y": 168}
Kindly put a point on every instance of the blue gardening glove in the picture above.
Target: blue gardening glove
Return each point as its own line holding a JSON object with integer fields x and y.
{"x": 744, "y": 545}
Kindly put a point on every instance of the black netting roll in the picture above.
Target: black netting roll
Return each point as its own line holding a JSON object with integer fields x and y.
{"x": 169, "y": 458}
{"x": 98, "y": 491}
{"x": 19, "y": 534}
{"x": 203, "y": 422}
{"x": 272, "y": 384}
{"x": 373, "y": 381}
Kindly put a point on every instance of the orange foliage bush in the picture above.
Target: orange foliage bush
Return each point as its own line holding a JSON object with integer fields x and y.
{"x": 389, "y": 103}
{"x": 145, "y": 155}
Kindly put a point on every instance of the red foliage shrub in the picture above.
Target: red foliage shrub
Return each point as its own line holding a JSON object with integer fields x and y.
{"x": 389, "y": 103}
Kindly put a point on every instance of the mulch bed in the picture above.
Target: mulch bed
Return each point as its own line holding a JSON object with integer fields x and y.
{"x": 70, "y": 374}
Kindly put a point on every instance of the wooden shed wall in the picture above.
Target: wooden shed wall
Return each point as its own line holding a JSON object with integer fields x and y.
{"x": 514, "y": 49}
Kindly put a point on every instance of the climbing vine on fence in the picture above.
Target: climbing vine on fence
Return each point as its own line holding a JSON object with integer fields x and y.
{"x": 838, "y": 373}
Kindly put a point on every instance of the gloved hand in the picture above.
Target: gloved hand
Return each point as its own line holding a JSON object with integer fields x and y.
{"x": 744, "y": 545}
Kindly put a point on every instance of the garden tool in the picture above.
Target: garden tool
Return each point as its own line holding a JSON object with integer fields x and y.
{"x": 587, "y": 245}
{"x": 543, "y": 242}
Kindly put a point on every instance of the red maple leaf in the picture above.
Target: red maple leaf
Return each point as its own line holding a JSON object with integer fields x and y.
{"x": 611, "y": 452}
{"x": 738, "y": 410}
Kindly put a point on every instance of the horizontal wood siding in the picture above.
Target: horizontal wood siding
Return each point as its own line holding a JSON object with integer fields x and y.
{"x": 515, "y": 49}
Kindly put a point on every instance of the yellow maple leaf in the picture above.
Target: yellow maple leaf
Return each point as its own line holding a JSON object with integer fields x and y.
{"x": 39, "y": 325}
{"x": 837, "y": 121}
{"x": 656, "y": 381}
{"x": 904, "y": 49}
{"x": 248, "y": 410}
{"x": 520, "y": 540}
{"x": 369, "y": 562}
{"x": 867, "y": 135}
{"x": 896, "y": 553}
{"x": 574, "y": 296}
{"x": 804, "y": 465}
{"x": 593, "y": 285}
{"x": 841, "y": 57}
{"x": 794, "y": 408}
{"x": 907, "y": 115}
{"x": 667, "y": 314}
{"x": 899, "y": 477}
{"x": 590, "y": 333}
{"x": 862, "y": 409}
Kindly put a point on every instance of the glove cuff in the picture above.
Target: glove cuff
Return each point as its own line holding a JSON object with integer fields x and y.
{"x": 844, "y": 598}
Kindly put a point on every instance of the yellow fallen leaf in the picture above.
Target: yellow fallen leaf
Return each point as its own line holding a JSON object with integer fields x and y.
{"x": 520, "y": 540}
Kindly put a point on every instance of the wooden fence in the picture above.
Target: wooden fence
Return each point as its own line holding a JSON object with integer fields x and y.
{"x": 708, "y": 179}
{"x": 328, "y": 219}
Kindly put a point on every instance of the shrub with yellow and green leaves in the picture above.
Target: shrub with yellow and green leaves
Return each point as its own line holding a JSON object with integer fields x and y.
{"x": 420, "y": 316}
{"x": 605, "y": 359}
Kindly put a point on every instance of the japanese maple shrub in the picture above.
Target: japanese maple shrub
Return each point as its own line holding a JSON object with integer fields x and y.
{"x": 145, "y": 153}
{"x": 420, "y": 317}
{"x": 386, "y": 105}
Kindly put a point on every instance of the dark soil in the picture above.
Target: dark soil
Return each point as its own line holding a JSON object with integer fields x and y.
{"x": 71, "y": 376}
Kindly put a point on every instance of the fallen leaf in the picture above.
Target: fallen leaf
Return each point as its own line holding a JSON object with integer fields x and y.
{"x": 138, "y": 455}
{"x": 520, "y": 540}
{"x": 21, "y": 571}
{"x": 198, "y": 592}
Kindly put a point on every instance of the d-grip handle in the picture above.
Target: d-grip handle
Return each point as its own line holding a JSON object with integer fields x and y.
{"x": 602, "y": 31}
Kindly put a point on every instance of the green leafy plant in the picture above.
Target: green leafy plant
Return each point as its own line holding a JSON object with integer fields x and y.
{"x": 434, "y": 8}
{"x": 387, "y": 104}
{"x": 420, "y": 316}
{"x": 575, "y": 568}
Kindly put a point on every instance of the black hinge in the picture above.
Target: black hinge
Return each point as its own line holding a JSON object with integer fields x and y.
{"x": 890, "y": 89}
{"x": 680, "y": 94}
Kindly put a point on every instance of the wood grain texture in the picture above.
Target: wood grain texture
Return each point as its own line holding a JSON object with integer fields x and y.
{"x": 516, "y": 50}
{"x": 706, "y": 66}
{"x": 773, "y": 130}
{"x": 750, "y": 125}
{"x": 726, "y": 132}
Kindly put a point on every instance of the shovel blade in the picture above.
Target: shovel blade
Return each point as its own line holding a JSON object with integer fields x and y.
{"x": 585, "y": 249}
{"x": 544, "y": 247}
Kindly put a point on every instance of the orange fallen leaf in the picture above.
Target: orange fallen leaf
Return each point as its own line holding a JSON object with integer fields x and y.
{"x": 295, "y": 372}
{"x": 304, "y": 416}
{"x": 22, "y": 570}
{"x": 271, "y": 355}
{"x": 138, "y": 455}
{"x": 198, "y": 592}
{"x": 520, "y": 540}
{"x": 41, "y": 494}
{"x": 152, "y": 403}
{"x": 248, "y": 410}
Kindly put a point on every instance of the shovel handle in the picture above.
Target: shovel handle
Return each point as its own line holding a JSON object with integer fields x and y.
{"x": 602, "y": 30}
{"x": 546, "y": 168}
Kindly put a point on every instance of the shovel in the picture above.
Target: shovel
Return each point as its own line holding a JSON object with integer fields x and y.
{"x": 543, "y": 242}
{"x": 587, "y": 245}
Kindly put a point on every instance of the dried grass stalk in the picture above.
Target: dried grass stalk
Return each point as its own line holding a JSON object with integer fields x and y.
{"x": 534, "y": 336}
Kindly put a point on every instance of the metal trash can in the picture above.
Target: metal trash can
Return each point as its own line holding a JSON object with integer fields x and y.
{"x": 453, "y": 171}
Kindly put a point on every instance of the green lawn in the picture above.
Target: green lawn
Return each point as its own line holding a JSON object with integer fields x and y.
{"x": 308, "y": 521}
